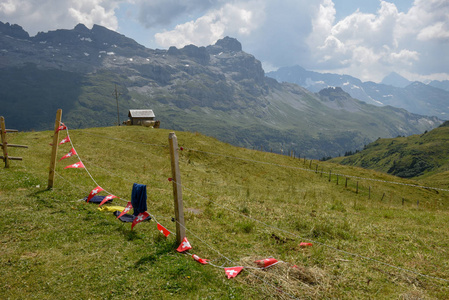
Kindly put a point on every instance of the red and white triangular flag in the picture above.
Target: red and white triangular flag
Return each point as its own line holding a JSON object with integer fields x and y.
{"x": 70, "y": 154}
{"x": 77, "y": 165}
{"x": 127, "y": 209}
{"x": 185, "y": 245}
{"x": 64, "y": 140}
{"x": 200, "y": 260}
{"x": 94, "y": 192}
{"x": 265, "y": 263}
{"x": 163, "y": 230}
{"x": 232, "y": 272}
{"x": 62, "y": 127}
{"x": 140, "y": 217}
{"x": 107, "y": 198}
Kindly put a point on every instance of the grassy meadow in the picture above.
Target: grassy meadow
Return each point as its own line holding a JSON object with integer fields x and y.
{"x": 371, "y": 238}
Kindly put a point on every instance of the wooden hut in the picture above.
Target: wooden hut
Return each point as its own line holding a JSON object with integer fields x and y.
{"x": 141, "y": 116}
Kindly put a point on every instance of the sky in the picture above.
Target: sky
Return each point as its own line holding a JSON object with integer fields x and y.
{"x": 367, "y": 39}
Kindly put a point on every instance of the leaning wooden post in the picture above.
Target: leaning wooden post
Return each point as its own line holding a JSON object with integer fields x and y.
{"x": 4, "y": 143}
{"x": 54, "y": 150}
{"x": 177, "y": 190}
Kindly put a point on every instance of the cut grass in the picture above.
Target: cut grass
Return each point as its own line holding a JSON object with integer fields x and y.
{"x": 54, "y": 246}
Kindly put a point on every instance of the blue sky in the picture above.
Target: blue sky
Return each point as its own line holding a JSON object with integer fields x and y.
{"x": 367, "y": 39}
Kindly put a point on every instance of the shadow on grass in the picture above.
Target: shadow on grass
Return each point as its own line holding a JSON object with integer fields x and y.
{"x": 161, "y": 248}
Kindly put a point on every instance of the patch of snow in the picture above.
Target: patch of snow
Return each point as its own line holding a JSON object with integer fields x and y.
{"x": 86, "y": 54}
{"x": 355, "y": 87}
{"x": 385, "y": 96}
{"x": 115, "y": 46}
{"x": 42, "y": 42}
{"x": 130, "y": 59}
{"x": 220, "y": 53}
{"x": 86, "y": 39}
{"x": 99, "y": 55}
{"x": 148, "y": 59}
{"x": 4, "y": 50}
{"x": 102, "y": 51}
{"x": 187, "y": 65}
{"x": 346, "y": 83}
{"x": 110, "y": 53}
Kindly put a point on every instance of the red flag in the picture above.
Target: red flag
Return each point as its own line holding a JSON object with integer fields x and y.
{"x": 94, "y": 192}
{"x": 71, "y": 153}
{"x": 265, "y": 263}
{"x": 185, "y": 245}
{"x": 127, "y": 209}
{"x": 232, "y": 272}
{"x": 163, "y": 230}
{"x": 200, "y": 260}
{"x": 303, "y": 245}
{"x": 62, "y": 127}
{"x": 77, "y": 165}
{"x": 65, "y": 140}
{"x": 140, "y": 217}
{"x": 107, "y": 198}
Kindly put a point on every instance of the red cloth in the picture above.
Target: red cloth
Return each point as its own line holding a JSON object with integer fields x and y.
{"x": 127, "y": 209}
{"x": 185, "y": 245}
{"x": 163, "y": 230}
{"x": 232, "y": 272}
{"x": 140, "y": 217}
{"x": 107, "y": 198}
{"x": 94, "y": 192}
{"x": 77, "y": 165}
{"x": 71, "y": 153}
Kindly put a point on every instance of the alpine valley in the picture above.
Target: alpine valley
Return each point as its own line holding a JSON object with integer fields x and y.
{"x": 218, "y": 90}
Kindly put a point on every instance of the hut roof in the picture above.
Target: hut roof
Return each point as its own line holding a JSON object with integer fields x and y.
{"x": 141, "y": 113}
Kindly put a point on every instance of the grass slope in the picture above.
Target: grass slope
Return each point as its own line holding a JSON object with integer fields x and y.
{"x": 422, "y": 156}
{"x": 54, "y": 246}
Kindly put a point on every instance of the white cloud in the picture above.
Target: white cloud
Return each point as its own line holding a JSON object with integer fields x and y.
{"x": 370, "y": 46}
{"x": 44, "y": 15}
{"x": 231, "y": 19}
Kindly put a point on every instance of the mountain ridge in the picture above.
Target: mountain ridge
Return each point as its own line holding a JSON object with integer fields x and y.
{"x": 218, "y": 90}
{"x": 394, "y": 90}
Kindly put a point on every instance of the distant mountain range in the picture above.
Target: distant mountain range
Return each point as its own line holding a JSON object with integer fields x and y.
{"x": 428, "y": 99}
{"x": 218, "y": 90}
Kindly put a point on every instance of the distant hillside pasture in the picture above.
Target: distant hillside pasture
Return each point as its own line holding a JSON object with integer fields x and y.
{"x": 376, "y": 237}
{"x": 424, "y": 156}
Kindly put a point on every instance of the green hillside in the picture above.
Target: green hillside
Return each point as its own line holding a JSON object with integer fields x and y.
{"x": 373, "y": 235}
{"x": 424, "y": 156}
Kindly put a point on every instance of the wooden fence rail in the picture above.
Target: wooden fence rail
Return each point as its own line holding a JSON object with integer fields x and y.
{"x": 4, "y": 144}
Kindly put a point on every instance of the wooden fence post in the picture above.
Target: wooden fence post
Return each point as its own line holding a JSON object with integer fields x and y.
{"x": 4, "y": 143}
{"x": 54, "y": 150}
{"x": 177, "y": 190}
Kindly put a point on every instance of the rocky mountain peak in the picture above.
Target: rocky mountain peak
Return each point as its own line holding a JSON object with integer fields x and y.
{"x": 226, "y": 44}
{"x": 199, "y": 54}
{"x": 13, "y": 30}
{"x": 333, "y": 94}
